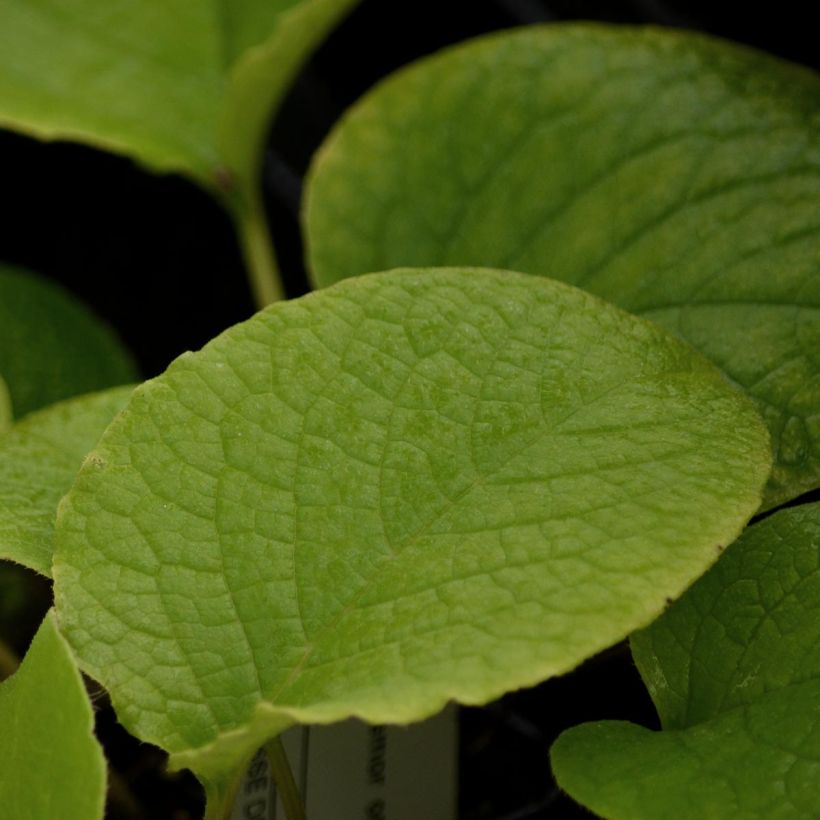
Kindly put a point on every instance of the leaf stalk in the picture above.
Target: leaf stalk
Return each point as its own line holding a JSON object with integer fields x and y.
{"x": 257, "y": 249}
{"x": 283, "y": 777}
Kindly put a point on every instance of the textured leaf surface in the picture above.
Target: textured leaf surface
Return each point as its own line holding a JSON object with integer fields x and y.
{"x": 412, "y": 487}
{"x": 674, "y": 175}
{"x": 39, "y": 460}
{"x": 51, "y": 346}
{"x": 155, "y": 80}
{"x": 50, "y": 763}
{"x": 734, "y": 669}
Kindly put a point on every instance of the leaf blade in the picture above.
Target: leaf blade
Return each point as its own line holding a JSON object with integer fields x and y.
{"x": 269, "y": 504}
{"x": 39, "y": 459}
{"x": 48, "y": 751}
{"x": 51, "y": 346}
{"x": 734, "y": 670}
{"x": 670, "y": 173}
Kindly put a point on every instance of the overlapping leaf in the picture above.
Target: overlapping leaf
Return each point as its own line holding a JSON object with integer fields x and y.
{"x": 734, "y": 669}
{"x": 411, "y": 487}
{"x": 672, "y": 174}
{"x": 50, "y": 763}
{"x": 51, "y": 346}
{"x": 39, "y": 460}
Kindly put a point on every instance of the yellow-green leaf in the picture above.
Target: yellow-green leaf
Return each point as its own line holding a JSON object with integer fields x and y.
{"x": 50, "y": 763}
{"x": 734, "y": 669}
{"x": 409, "y": 488}
{"x": 39, "y": 460}
{"x": 675, "y": 175}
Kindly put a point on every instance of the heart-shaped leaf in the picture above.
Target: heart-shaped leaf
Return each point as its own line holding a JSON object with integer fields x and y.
{"x": 39, "y": 460}
{"x": 675, "y": 175}
{"x": 50, "y": 763}
{"x": 179, "y": 86}
{"x": 734, "y": 669}
{"x": 51, "y": 346}
{"x": 411, "y": 487}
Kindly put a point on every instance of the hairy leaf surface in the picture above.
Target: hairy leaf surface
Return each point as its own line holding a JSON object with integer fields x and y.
{"x": 675, "y": 175}
{"x": 409, "y": 488}
{"x": 734, "y": 669}
{"x": 51, "y": 346}
{"x": 39, "y": 460}
{"x": 50, "y": 763}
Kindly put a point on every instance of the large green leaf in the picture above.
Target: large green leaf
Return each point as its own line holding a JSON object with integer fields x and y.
{"x": 411, "y": 487}
{"x": 39, "y": 460}
{"x": 50, "y": 764}
{"x": 51, "y": 346}
{"x": 672, "y": 174}
{"x": 734, "y": 669}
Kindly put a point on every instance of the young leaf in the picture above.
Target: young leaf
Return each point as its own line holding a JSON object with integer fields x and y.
{"x": 675, "y": 175}
{"x": 51, "y": 346}
{"x": 50, "y": 763}
{"x": 734, "y": 669}
{"x": 411, "y": 487}
{"x": 39, "y": 460}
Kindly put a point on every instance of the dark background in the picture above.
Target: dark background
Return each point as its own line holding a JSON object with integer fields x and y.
{"x": 157, "y": 258}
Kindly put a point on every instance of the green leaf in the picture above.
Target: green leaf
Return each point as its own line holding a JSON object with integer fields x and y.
{"x": 675, "y": 175}
{"x": 179, "y": 86}
{"x": 51, "y": 346}
{"x": 39, "y": 460}
{"x": 156, "y": 81}
{"x": 409, "y": 488}
{"x": 734, "y": 669}
{"x": 50, "y": 762}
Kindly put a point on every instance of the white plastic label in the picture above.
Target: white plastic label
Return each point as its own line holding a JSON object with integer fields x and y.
{"x": 352, "y": 771}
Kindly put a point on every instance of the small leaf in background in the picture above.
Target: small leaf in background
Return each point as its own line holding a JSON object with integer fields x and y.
{"x": 734, "y": 669}
{"x": 50, "y": 763}
{"x": 51, "y": 346}
{"x": 675, "y": 175}
{"x": 410, "y": 488}
{"x": 39, "y": 460}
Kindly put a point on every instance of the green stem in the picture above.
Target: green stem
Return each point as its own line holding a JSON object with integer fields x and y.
{"x": 283, "y": 777}
{"x": 260, "y": 260}
{"x": 220, "y": 799}
{"x": 8, "y": 661}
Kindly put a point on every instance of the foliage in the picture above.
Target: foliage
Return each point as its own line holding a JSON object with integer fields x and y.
{"x": 441, "y": 482}
{"x": 734, "y": 670}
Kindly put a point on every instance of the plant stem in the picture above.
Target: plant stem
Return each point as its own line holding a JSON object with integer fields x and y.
{"x": 8, "y": 661}
{"x": 220, "y": 798}
{"x": 260, "y": 260}
{"x": 283, "y": 777}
